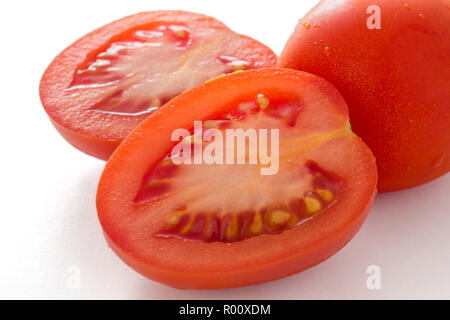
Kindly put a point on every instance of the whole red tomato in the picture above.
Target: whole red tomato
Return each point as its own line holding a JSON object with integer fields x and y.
{"x": 390, "y": 59}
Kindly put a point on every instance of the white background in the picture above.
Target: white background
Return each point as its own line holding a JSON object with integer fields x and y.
{"x": 48, "y": 216}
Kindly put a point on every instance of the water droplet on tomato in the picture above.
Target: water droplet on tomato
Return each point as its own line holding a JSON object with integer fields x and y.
{"x": 438, "y": 161}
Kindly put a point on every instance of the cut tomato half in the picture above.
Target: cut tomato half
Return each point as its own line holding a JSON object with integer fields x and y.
{"x": 103, "y": 85}
{"x": 188, "y": 201}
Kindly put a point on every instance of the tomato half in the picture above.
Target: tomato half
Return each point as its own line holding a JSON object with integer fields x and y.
{"x": 226, "y": 224}
{"x": 390, "y": 59}
{"x": 103, "y": 85}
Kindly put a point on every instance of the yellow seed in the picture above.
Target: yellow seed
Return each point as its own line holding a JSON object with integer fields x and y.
{"x": 180, "y": 33}
{"x": 192, "y": 140}
{"x": 293, "y": 220}
{"x": 210, "y": 124}
{"x": 279, "y": 217}
{"x": 312, "y": 205}
{"x": 155, "y": 103}
{"x": 91, "y": 70}
{"x": 257, "y": 224}
{"x": 108, "y": 55}
{"x": 156, "y": 183}
{"x": 238, "y": 67}
{"x": 233, "y": 228}
{"x": 326, "y": 195}
{"x": 166, "y": 163}
{"x": 306, "y": 25}
{"x": 263, "y": 102}
{"x": 188, "y": 226}
{"x": 174, "y": 218}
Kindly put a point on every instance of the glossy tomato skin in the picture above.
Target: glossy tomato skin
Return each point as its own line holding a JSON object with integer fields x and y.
{"x": 199, "y": 265}
{"x": 98, "y": 134}
{"x": 395, "y": 80}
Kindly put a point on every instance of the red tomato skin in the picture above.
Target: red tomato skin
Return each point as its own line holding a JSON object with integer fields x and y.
{"x": 251, "y": 275}
{"x": 395, "y": 80}
{"x": 325, "y": 235}
{"x": 99, "y": 134}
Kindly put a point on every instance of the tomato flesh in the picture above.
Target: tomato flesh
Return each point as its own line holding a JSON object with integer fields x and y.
{"x": 298, "y": 192}
{"x": 218, "y": 225}
{"x": 142, "y": 85}
{"x": 102, "y": 86}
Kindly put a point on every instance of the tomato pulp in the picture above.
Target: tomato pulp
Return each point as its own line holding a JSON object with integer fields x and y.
{"x": 390, "y": 60}
{"x": 103, "y": 85}
{"x": 210, "y": 223}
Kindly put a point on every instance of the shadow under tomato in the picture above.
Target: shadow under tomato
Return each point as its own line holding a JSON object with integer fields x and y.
{"x": 400, "y": 235}
{"x": 401, "y": 229}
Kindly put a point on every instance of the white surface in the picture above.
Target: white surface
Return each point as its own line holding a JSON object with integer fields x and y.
{"x": 49, "y": 220}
